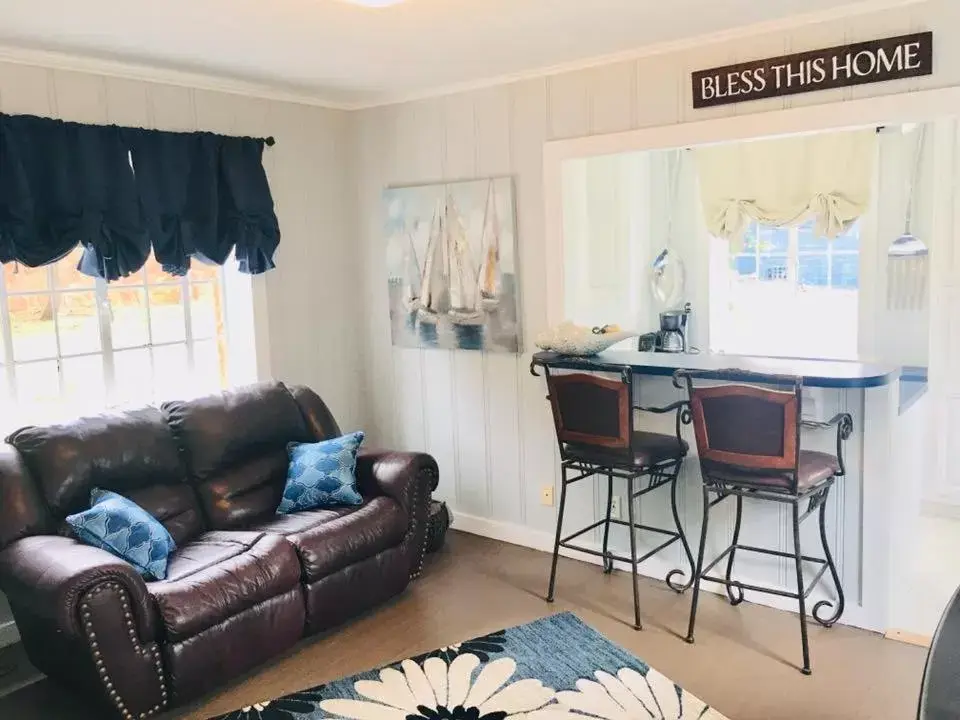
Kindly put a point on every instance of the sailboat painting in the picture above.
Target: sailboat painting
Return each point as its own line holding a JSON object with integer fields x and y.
{"x": 451, "y": 262}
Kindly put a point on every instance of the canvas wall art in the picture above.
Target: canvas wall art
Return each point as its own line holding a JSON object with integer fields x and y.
{"x": 451, "y": 259}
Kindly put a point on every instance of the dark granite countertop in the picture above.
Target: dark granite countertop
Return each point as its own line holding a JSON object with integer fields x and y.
{"x": 815, "y": 373}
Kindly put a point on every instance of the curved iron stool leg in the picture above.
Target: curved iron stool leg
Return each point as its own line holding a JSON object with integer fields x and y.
{"x": 556, "y": 542}
{"x": 699, "y": 570}
{"x": 637, "y": 625}
{"x": 678, "y": 588}
{"x": 838, "y": 610}
{"x": 607, "y": 559}
{"x": 730, "y": 584}
{"x": 800, "y": 594}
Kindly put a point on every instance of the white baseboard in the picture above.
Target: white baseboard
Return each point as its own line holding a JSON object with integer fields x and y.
{"x": 655, "y": 567}
{"x": 9, "y": 633}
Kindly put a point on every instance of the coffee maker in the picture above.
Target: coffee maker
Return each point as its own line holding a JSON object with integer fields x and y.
{"x": 673, "y": 336}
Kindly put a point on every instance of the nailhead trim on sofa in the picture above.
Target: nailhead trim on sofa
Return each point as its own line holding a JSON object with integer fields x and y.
{"x": 413, "y": 524}
{"x": 146, "y": 651}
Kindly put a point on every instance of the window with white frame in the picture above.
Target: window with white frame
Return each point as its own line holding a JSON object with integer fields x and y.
{"x": 787, "y": 292}
{"x": 70, "y": 344}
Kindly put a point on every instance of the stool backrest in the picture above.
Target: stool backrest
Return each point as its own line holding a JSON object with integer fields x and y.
{"x": 745, "y": 427}
{"x": 591, "y": 410}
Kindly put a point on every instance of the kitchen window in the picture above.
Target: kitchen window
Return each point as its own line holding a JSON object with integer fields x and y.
{"x": 72, "y": 345}
{"x": 787, "y": 292}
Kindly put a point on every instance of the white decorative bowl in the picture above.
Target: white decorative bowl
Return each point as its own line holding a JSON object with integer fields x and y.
{"x": 570, "y": 339}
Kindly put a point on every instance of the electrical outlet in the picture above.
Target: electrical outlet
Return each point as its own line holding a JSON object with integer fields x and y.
{"x": 546, "y": 495}
{"x": 615, "y": 507}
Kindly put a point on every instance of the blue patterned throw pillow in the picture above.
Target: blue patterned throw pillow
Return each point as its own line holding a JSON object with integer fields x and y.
{"x": 120, "y": 526}
{"x": 322, "y": 474}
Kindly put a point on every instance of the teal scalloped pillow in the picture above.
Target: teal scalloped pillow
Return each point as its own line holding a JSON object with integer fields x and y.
{"x": 120, "y": 526}
{"x": 322, "y": 474}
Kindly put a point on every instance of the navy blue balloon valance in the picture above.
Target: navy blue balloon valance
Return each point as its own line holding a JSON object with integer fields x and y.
{"x": 122, "y": 192}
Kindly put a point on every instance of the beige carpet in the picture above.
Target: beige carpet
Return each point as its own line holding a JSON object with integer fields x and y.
{"x": 742, "y": 663}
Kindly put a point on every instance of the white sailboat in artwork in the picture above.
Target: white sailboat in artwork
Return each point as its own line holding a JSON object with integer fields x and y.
{"x": 463, "y": 285}
{"x": 433, "y": 281}
{"x": 491, "y": 279}
{"x": 412, "y": 276}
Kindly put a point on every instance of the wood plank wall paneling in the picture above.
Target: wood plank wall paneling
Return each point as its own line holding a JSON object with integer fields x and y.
{"x": 483, "y": 416}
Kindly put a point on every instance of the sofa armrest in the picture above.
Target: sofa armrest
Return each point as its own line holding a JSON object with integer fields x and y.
{"x": 49, "y": 575}
{"x": 401, "y": 476}
{"x": 407, "y": 478}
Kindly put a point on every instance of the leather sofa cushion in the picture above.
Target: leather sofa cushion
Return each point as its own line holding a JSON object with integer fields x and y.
{"x": 221, "y": 431}
{"x": 220, "y": 574}
{"x": 237, "y": 496}
{"x": 121, "y": 452}
{"x": 329, "y": 540}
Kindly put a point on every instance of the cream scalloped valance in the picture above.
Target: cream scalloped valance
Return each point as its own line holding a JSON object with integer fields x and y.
{"x": 827, "y": 177}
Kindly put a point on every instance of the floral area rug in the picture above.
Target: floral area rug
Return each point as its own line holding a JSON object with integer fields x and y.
{"x": 556, "y": 668}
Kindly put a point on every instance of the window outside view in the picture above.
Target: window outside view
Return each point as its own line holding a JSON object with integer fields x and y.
{"x": 72, "y": 345}
{"x": 791, "y": 293}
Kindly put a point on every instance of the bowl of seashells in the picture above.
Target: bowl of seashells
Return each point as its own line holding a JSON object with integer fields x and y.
{"x": 569, "y": 339}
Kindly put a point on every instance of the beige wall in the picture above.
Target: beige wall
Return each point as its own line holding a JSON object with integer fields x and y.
{"x": 482, "y": 415}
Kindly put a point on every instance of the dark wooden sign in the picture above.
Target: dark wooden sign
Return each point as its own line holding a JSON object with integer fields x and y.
{"x": 867, "y": 62}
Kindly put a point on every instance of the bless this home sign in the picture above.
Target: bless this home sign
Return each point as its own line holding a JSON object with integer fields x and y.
{"x": 867, "y": 62}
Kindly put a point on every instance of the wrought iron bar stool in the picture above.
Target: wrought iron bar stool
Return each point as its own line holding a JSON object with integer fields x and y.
{"x": 748, "y": 440}
{"x": 593, "y": 416}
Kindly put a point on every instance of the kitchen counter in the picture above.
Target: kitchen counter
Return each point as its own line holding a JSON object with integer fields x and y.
{"x": 867, "y": 515}
{"x": 839, "y": 374}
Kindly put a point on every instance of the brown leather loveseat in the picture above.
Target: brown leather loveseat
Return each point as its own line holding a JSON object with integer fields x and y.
{"x": 244, "y": 583}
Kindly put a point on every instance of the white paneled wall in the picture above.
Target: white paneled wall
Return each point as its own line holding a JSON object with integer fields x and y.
{"x": 482, "y": 415}
{"x": 306, "y": 312}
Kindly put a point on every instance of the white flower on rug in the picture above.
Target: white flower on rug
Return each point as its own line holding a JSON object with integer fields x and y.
{"x": 438, "y": 691}
{"x": 631, "y": 696}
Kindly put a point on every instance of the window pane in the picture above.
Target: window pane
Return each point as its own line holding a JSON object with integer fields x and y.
{"x": 813, "y": 270}
{"x": 846, "y": 271}
{"x": 78, "y": 322}
{"x": 20, "y": 278}
{"x": 171, "y": 374}
{"x": 850, "y": 240}
{"x": 210, "y": 367}
{"x": 206, "y": 310}
{"x": 31, "y": 324}
{"x": 774, "y": 239}
{"x": 66, "y": 275}
{"x": 745, "y": 265}
{"x": 133, "y": 378}
{"x": 135, "y": 279}
{"x": 773, "y": 267}
{"x": 203, "y": 271}
{"x": 38, "y": 392}
{"x": 808, "y": 240}
{"x": 750, "y": 239}
{"x": 84, "y": 389}
{"x": 128, "y": 317}
{"x": 166, "y": 314}
{"x": 155, "y": 273}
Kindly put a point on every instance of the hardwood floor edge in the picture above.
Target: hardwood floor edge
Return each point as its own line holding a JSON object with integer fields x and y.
{"x": 910, "y": 638}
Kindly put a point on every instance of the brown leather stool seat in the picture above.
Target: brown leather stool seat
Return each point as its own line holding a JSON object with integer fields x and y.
{"x": 814, "y": 468}
{"x": 646, "y": 448}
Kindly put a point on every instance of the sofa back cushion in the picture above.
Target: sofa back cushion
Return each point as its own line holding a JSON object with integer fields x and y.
{"x": 235, "y": 448}
{"x": 131, "y": 453}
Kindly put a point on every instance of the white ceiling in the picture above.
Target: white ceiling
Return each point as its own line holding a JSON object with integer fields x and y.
{"x": 353, "y": 56}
